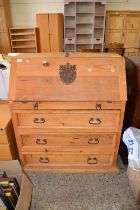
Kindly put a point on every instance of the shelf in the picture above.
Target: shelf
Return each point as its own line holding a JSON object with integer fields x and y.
{"x": 99, "y": 8}
{"x": 98, "y": 32}
{"x": 84, "y": 23}
{"x": 70, "y": 27}
{"x": 70, "y": 9}
{"x": 84, "y": 7}
{"x": 79, "y": 47}
{"x": 97, "y": 46}
{"x": 69, "y": 15}
{"x": 84, "y": 43}
{"x": 22, "y": 28}
{"x": 98, "y": 27}
{"x": 99, "y": 15}
{"x": 84, "y": 33}
{"x": 70, "y": 22}
{"x": 23, "y": 39}
{"x": 84, "y": 13}
{"x": 87, "y": 29}
{"x": 21, "y": 34}
{"x": 24, "y": 46}
{"x": 70, "y": 48}
{"x": 84, "y": 39}
{"x": 69, "y": 32}
{"x": 99, "y": 22}
{"x": 84, "y": 19}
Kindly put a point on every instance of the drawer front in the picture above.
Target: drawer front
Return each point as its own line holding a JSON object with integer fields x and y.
{"x": 69, "y": 40}
{"x": 97, "y": 41}
{"x": 92, "y": 140}
{"x": 5, "y": 152}
{"x": 3, "y": 137}
{"x": 69, "y": 159}
{"x": 66, "y": 105}
{"x": 106, "y": 119}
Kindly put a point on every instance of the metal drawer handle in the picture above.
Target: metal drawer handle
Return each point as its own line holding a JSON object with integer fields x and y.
{"x": 93, "y": 121}
{"x": 39, "y": 120}
{"x": 44, "y": 160}
{"x": 41, "y": 141}
{"x": 93, "y": 140}
{"x": 92, "y": 160}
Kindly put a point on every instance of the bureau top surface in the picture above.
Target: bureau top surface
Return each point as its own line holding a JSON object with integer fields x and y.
{"x": 78, "y": 77}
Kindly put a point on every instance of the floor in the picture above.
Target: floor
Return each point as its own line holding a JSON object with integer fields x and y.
{"x": 65, "y": 191}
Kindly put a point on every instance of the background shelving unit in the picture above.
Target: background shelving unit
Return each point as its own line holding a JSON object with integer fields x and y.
{"x": 84, "y": 23}
{"x": 23, "y": 40}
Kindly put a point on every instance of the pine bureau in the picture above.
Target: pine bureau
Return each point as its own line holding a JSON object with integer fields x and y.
{"x": 68, "y": 111}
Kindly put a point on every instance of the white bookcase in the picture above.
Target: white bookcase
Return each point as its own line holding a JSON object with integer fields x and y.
{"x": 84, "y": 24}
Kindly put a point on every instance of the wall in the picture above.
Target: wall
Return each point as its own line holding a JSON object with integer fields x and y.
{"x": 23, "y": 11}
{"x": 123, "y": 5}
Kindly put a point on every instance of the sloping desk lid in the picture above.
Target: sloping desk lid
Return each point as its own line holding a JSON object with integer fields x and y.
{"x": 78, "y": 77}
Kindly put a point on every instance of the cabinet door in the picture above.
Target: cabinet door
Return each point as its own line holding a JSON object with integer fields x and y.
{"x": 2, "y": 20}
{"x": 132, "y": 22}
{"x": 115, "y": 21}
{"x": 56, "y": 32}
{"x": 4, "y": 16}
{"x": 113, "y": 36}
{"x": 42, "y": 21}
{"x": 131, "y": 39}
{"x": 4, "y": 43}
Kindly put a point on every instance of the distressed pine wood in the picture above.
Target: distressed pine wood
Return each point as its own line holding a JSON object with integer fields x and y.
{"x": 59, "y": 130}
{"x": 8, "y": 149}
{"x": 94, "y": 140}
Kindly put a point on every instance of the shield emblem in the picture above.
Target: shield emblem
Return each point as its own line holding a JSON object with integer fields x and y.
{"x": 67, "y": 73}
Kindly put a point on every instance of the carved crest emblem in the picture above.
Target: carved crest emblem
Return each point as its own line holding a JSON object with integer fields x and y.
{"x": 67, "y": 73}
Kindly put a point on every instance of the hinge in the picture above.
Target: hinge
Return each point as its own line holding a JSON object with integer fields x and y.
{"x": 35, "y": 105}
{"x": 98, "y": 106}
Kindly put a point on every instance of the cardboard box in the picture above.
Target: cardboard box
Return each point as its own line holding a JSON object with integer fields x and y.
{"x": 13, "y": 169}
{"x": 134, "y": 180}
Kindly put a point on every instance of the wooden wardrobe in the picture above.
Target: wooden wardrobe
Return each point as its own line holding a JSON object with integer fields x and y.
{"x": 50, "y": 32}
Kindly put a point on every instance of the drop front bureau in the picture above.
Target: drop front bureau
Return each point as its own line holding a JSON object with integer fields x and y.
{"x": 68, "y": 111}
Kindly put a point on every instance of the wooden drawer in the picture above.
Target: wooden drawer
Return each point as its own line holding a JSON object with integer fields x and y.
{"x": 3, "y": 136}
{"x": 68, "y": 140}
{"x": 91, "y": 119}
{"x": 5, "y": 152}
{"x": 68, "y": 159}
{"x": 97, "y": 41}
{"x": 69, "y": 40}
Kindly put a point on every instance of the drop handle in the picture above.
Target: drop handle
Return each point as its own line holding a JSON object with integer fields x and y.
{"x": 41, "y": 141}
{"x": 39, "y": 120}
{"x": 92, "y": 160}
{"x": 93, "y": 140}
{"x": 94, "y": 121}
{"x": 44, "y": 160}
